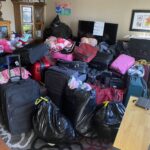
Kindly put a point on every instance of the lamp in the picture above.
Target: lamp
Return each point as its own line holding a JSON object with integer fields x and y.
{"x": 0, "y": 9}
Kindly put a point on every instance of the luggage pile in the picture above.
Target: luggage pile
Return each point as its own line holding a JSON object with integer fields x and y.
{"x": 84, "y": 88}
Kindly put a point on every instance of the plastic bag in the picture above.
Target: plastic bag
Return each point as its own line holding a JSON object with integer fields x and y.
{"x": 108, "y": 118}
{"x": 49, "y": 124}
{"x": 79, "y": 106}
{"x": 58, "y": 29}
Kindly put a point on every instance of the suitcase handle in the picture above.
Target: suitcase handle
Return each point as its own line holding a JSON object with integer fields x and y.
{"x": 14, "y": 78}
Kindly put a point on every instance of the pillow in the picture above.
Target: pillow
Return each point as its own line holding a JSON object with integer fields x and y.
{"x": 122, "y": 63}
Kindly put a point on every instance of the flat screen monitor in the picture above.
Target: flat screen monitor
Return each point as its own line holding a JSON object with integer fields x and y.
{"x": 102, "y": 31}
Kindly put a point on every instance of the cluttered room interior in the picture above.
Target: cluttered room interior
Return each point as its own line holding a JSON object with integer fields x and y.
{"x": 74, "y": 75}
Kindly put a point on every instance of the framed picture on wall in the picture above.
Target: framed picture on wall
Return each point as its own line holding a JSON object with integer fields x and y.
{"x": 140, "y": 20}
{"x": 4, "y": 29}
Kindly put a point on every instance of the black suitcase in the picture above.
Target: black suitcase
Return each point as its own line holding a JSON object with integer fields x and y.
{"x": 17, "y": 102}
{"x": 101, "y": 61}
{"x": 79, "y": 66}
{"x": 31, "y": 53}
{"x": 139, "y": 48}
{"x": 56, "y": 79}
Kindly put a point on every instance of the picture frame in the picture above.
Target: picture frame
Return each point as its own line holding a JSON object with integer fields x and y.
{"x": 140, "y": 21}
{"x": 4, "y": 29}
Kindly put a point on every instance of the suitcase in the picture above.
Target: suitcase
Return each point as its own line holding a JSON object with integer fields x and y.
{"x": 85, "y": 52}
{"x": 17, "y": 101}
{"x": 31, "y": 53}
{"x": 56, "y": 79}
{"x": 80, "y": 66}
{"x": 101, "y": 61}
{"x": 38, "y": 69}
{"x": 136, "y": 86}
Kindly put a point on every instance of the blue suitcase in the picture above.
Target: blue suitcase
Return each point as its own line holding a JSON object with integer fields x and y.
{"x": 136, "y": 86}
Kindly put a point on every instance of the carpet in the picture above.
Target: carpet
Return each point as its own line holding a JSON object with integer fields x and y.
{"x": 25, "y": 140}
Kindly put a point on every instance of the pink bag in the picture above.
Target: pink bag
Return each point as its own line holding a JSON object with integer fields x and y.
{"x": 107, "y": 94}
{"x": 58, "y": 55}
{"x": 122, "y": 63}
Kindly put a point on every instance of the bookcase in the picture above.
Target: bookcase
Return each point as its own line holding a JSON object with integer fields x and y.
{"x": 29, "y": 17}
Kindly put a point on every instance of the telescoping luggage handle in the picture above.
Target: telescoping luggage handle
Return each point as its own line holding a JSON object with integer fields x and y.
{"x": 14, "y": 78}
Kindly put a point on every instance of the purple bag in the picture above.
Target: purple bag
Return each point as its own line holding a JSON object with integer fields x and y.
{"x": 122, "y": 63}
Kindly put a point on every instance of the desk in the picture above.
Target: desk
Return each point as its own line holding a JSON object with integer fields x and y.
{"x": 134, "y": 132}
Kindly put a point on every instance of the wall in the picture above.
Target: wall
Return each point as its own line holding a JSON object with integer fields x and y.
{"x": 115, "y": 11}
{"x": 8, "y": 13}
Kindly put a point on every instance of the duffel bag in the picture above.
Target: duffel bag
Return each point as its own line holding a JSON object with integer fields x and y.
{"x": 31, "y": 53}
{"x": 79, "y": 66}
{"x": 109, "y": 94}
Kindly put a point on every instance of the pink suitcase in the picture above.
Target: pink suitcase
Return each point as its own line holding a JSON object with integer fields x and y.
{"x": 122, "y": 63}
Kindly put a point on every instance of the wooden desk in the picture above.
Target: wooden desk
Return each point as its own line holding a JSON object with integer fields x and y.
{"x": 3, "y": 146}
{"x": 134, "y": 132}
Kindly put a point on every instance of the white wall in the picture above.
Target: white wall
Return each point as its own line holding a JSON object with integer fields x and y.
{"x": 115, "y": 11}
{"x": 8, "y": 13}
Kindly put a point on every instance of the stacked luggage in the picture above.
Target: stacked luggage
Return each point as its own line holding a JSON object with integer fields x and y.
{"x": 84, "y": 88}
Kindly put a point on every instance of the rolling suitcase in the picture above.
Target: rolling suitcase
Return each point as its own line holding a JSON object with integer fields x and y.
{"x": 17, "y": 101}
{"x": 56, "y": 79}
{"x": 38, "y": 69}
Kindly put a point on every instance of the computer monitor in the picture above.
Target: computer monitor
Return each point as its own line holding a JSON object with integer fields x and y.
{"x": 108, "y": 31}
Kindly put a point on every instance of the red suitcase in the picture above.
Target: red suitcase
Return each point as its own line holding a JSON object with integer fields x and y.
{"x": 37, "y": 70}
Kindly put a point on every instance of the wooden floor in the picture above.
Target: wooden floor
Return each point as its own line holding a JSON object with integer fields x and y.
{"x": 3, "y": 146}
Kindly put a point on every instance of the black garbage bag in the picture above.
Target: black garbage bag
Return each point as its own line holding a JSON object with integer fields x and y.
{"x": 79, "y": 106}
{"x": 49, "y": 124}
{"x": 58, "y": 29}
{"x": 108, "y": 118}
